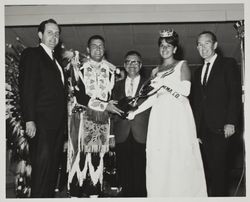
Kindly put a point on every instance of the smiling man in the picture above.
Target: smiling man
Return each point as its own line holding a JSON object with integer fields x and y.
{"x": 216, "y": 103}
{"x": 43, "y": 102}
{"x": 130, "y": 135}
{"x": 92, "y": 123}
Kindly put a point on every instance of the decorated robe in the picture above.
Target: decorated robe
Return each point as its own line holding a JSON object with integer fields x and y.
{"x": 89, "y": 123}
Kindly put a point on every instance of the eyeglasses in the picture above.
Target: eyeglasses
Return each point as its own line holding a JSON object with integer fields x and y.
{"x": 132, "y": 62}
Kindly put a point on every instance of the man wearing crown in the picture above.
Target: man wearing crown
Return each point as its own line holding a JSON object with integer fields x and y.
{"x": 89, "y": 123}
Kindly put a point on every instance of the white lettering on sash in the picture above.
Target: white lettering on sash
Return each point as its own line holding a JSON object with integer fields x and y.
{"x": 171, "y": 91}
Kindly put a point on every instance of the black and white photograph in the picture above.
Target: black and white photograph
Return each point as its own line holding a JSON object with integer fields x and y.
{"x": 125, "y": 100}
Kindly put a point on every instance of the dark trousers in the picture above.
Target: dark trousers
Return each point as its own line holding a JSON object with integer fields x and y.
{"x": 131, "y": 165}
{"x": 214, "y": 155}
{"x": 46, "y": 150}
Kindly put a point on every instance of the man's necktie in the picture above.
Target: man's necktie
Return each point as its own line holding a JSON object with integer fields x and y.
{"x": 53, "y": 56}
{"x": 205, "y": 75}
{"x": 131, "y": 86}
{"x": 57, "y": 67}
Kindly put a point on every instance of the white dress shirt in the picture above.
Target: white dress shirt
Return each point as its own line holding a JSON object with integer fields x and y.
{"x": 135, "y": 81}
{"x": 211, "y": 61}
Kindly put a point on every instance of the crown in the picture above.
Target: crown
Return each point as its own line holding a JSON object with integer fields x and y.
{"x": 166, "y": 33}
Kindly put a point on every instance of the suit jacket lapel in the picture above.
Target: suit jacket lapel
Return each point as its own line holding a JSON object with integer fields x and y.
{"x": 52, "y": 63}
{"x": 123, "y": 92}
{"x": 47, "y": 57}
{"x": 199, "y": 76}
{"x": 139, "y": 85}
{"x": 213, "y": 70}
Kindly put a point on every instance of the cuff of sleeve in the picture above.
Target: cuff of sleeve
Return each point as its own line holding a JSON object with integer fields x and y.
{"x": 76, "y": 88}
{"x": 97, "y": 105}
{"x": 105, "y": 104}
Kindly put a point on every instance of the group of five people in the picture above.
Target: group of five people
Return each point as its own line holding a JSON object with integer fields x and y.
{"x": 165, "y": 147}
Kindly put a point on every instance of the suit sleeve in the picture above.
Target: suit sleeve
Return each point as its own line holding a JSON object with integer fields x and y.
{"x": 114, "y": 92}
{"x": 80, "y": 93}
{"x": 191, "y": 95}
{"x": 29, "y": 83}
{"x": 233, "y": 80}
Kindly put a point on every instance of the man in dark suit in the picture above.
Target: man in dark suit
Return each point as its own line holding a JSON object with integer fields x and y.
{"x": 43, "y": 100}
{"x": 216, "y": 103}
{"x": 130, "y": 135}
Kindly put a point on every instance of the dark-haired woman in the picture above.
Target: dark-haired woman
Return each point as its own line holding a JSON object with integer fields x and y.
{"x": 174, "y": 166}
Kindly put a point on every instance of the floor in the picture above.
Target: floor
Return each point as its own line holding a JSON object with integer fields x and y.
{"x": 236, "y": 185}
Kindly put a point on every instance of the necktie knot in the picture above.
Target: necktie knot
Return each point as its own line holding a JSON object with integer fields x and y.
{"x": 205, "y": 75}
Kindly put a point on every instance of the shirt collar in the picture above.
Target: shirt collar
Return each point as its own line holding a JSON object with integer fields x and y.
{"x": 47, "y": 50}
{"x": 136, "y": 78}
{"x": 212, "y": 59}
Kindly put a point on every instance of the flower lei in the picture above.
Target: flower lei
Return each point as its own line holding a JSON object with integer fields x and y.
{"x": 15, "y": 134}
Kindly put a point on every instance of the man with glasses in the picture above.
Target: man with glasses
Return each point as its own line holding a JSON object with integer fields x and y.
{"x": 130, "y": 135}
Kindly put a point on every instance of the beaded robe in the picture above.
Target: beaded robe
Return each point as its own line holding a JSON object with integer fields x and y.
{"x": 89, "y": 125}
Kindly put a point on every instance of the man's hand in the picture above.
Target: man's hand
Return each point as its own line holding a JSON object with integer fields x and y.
{"x": 31, "y": 129}
{"x": 111, "y": 141}
{"x": 112, "y": 108}
{"x": 229, "y": 130}
{"x": 199, "y": 140}
{"x": 65, "y": 146}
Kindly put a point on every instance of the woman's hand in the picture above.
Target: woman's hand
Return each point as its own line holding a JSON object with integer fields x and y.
{"x": 131, "y": 115}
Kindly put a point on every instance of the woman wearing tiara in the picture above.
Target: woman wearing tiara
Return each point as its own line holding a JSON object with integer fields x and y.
{"x": 174, "y": 165}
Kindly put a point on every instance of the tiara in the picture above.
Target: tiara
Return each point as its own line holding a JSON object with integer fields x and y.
{"x": 166, "y": 33}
